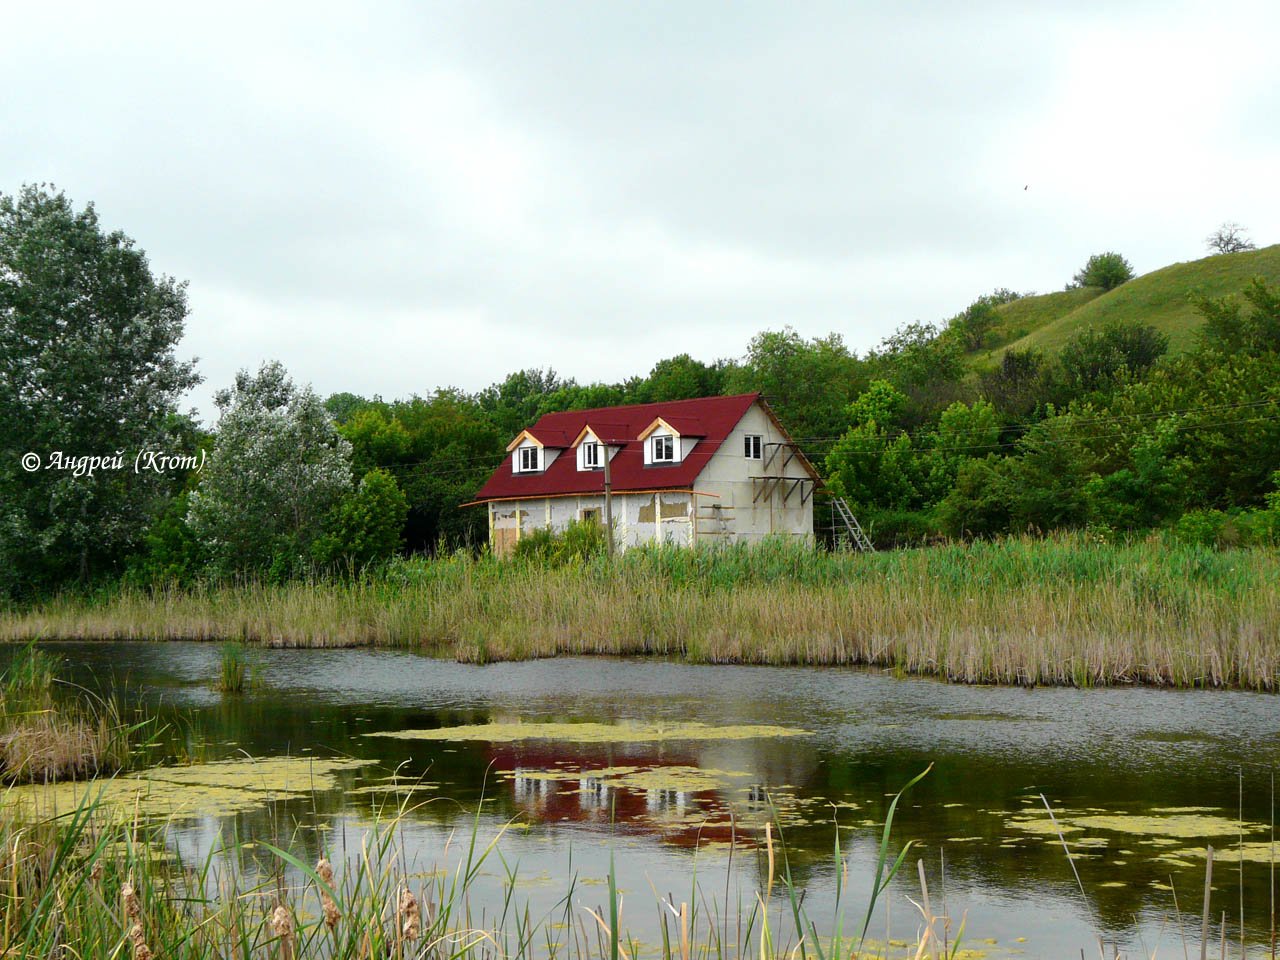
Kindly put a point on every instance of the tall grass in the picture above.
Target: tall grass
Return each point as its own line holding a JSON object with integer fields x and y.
{"x": 1062, "y": 610}
{"x": 44, "y": 737}
{"x": 233, "y": 669}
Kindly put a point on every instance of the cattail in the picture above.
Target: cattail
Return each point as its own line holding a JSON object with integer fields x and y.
{"x": 95, "y": 872}
{"x": 282, "y": 924}
{"x": 129, "y": 897}
{"x": 410, "y": 916}
{"x": 140, "y": 949}
{"x": 324, "y": 870}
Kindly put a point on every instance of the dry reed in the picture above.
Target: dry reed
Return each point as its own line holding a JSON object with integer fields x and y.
{"x": 1063, "y": 611}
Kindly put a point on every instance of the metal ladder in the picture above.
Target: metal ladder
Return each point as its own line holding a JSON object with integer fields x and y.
{"x": 856, "y": 536}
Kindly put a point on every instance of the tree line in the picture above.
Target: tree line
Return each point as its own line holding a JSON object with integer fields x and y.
{"x": 1110, "y": 432}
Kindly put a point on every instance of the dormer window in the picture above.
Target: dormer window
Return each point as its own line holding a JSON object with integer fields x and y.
{"x": 664, "y": 450}
{"x": 591, "y": 456}
{"x": 527, "y": 459}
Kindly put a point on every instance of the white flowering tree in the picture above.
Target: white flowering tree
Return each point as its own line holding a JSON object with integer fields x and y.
{"x": 277, "y": 471}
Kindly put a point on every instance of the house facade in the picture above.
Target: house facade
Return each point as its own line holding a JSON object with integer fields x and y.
{"x": 715, "y": 469}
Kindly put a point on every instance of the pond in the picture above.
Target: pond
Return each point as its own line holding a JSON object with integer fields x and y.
{"x": 667, "y": 768}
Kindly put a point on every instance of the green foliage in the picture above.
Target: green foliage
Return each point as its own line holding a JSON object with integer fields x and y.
{"x": 1019, "y": 385}
{"x": 1099, "y": 359}
{"x": 976, "y": 326}
{"x": 1105, "y": 271}
{"x": 367, "y": 526}
{"x": 576, "y": 544}
{"x": 377, "y": 439}
{"x": 171, "y": 552}
{"x": 679, "y": 378}
{"x": 927, "y": 365}
{"x": 1147, "y": 486}
{"x": 807, "y": 382}
{"x": 87, "y": 368}
{"x": 1228, "y": 330}
{"x": 278, "y": 468}
{"x": 342, "y": 406}
{"x": 980, "y": 503}
{"x": 1046, "y": 480}
{"x": 1205, "y": 528}
{"x": 874, "y": 465}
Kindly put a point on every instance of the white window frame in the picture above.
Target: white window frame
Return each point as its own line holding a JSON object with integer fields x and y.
{"x": 667, "y": 443}
{"x": 753, "y": 450}
{"x": 526, "y": 456}
{"x": 591, "y": 455}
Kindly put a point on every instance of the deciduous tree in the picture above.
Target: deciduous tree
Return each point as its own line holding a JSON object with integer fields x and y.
{"x": 87, "y": 368}
{"x": 278, "y": 468}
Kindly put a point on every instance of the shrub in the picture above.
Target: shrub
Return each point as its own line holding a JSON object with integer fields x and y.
{"x": 577, "y": 543}
{"x": 1104, "y": 270}
{"x": 367, "y": 525}
{"x": 1205, "y": 528}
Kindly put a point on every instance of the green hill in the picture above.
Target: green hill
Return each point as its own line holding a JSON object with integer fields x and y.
{"x": 1160, "y": 298}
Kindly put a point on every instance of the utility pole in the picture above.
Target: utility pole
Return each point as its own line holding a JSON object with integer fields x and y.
{"x": 608, "y": 500}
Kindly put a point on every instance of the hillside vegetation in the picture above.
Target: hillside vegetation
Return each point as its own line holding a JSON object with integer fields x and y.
{"x": 1161, "y": 299}
{"x": 1120, "y": 406}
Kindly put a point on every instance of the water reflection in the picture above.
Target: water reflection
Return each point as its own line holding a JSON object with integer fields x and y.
{"x": 1113, "y": 753}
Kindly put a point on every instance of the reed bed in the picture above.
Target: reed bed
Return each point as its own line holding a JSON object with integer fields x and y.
{"x": 1065, "y": 610}
{"x": 44, "y": 737}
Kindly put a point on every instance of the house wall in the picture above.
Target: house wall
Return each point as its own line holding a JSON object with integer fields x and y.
{"x": 735, "y": 515}
{"x": 637, "y": 518}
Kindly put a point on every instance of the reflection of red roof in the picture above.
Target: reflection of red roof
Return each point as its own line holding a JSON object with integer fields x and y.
{"x": 561, "y": 799}
{"x": 709, "y": 418}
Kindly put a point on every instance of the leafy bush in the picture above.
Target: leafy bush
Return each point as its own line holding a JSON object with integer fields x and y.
{"x": 1104, "y": 270}
{"x": 367, "y": 525}
{"x": 1205, "y": 528}
{"x": 579, "y": 542}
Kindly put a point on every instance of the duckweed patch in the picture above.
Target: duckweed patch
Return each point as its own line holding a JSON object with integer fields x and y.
{"x": 212, "y": 789}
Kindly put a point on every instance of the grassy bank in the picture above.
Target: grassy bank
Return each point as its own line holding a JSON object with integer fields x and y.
{"x": 1064, "y": 610}
{"x": 45, "y": 737}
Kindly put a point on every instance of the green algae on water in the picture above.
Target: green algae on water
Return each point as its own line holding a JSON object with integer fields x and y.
{"x": 209, "y": 789}
{"x": 594, "y": 732}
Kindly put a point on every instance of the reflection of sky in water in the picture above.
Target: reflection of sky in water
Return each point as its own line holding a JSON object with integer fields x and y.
{"x": 1114, "y": 752}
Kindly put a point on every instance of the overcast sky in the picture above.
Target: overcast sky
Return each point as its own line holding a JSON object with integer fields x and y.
{"x": 428, "y": 195}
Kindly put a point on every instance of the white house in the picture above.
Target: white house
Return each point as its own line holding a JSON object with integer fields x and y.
{"x": 714, "y": 469}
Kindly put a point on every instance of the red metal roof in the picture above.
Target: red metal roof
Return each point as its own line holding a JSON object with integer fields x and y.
{"x": 551, "y": 438}
{"x": 714, "y": 418}
{"x": 685, "y": 426}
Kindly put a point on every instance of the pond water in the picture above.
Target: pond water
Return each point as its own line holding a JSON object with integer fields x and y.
{"x": 656, "y": 764}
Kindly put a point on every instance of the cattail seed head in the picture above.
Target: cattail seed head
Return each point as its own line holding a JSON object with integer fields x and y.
{"x": 410, "y": 916}
{"x": 324, "y": 870}
{"x": 129, "y": 898}
{"x": 140, "y": 949}
{"x": 282, "y": 924}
